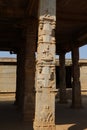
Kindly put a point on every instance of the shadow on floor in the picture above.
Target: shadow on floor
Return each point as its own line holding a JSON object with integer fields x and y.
{"x": 76, "y": 117}
{"x": 73, "y": 119}
{"x": 10, "y": 118}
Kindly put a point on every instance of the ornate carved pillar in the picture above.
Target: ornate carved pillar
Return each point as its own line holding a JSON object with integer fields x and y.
{"x": 62, "y": 74}
{"x": 76, "y": 88}
{"x": 45, "y": 67}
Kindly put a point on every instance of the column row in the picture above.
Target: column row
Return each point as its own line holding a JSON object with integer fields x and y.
{"x": 76, "y": 87}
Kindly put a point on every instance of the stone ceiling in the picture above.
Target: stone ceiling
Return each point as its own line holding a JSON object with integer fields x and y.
{"x": 71, "y": 27}
{"x": 71, "y": 24}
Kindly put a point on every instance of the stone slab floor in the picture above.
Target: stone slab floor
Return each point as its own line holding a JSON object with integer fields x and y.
{"x": 66, "y": 118}
{"x": 71, "y": 119}
{"x": 10, "y": 118}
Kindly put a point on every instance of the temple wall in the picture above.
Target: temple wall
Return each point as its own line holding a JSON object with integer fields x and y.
{"x": 83, "y": 78}
{"x": 7, "y": 75}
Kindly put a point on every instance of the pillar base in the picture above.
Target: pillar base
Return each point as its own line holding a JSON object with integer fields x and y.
{"x": 28, "y": 117}
{"x": 44, "y": 126}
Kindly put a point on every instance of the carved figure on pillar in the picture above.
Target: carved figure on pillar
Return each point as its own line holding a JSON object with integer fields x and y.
{"x": 47, "y": 56}
{"x": 45, "y": 77}
{"x": 46, "y": 114}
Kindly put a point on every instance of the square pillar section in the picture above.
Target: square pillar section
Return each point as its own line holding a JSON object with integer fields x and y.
{"x": 62, "y": 77}
{"x": 76, "y": 87}
{"x": 45, "y": 67}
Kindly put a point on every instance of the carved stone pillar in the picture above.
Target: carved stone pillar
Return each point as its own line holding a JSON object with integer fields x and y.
{"x": 45, "y": 67}
{"x": 62, "y": 77}
{"x": 76, "y": 88}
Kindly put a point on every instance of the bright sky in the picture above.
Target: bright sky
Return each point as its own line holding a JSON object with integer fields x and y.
{"x": 82, "y": 52}
{"x": 7, "y": 54}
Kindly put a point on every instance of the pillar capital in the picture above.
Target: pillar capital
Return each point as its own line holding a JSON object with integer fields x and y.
{"x": 47, "y": 7}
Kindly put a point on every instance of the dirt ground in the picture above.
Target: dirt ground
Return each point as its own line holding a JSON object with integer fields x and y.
{"x": 66, "y": 118}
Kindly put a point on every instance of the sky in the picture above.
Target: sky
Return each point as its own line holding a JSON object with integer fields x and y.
{"x": 82, "y": 53}
{"x": 7, "y": 54}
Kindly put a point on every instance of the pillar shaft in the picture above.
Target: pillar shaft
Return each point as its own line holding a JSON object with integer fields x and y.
{"x": 20, "y": 78}
{"x": 62, "y": 77}
{"x": 76, "y": 88}
{"x": 29, "y": 71}
{"x": 17, "y": 83}
{"x": 18, "y": 86}
{"x": 45, "y": 67}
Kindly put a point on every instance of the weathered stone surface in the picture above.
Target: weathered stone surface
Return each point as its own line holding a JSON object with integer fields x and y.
{"x": 45, "y": 68}
{"x": 7, "y": 75}
{"x": 83, "y": 79}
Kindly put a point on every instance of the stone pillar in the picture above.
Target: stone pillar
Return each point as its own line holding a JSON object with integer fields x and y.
{"x": 20, "y": 78}
{"x": 29, "y": 71}
{"x": 62, "y": 77}
{"x": 45, "y": 84}
{"x": 76, "y": 88}
{"x": 17, "y": 81}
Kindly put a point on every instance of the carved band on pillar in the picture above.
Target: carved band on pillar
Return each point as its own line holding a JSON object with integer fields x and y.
{"x": 45, "y": 70}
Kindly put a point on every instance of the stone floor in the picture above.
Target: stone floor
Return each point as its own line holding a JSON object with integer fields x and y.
{"x": 71, "y": 119}
{"x": 66, "y": 118}
{"x": 10, "y": 118}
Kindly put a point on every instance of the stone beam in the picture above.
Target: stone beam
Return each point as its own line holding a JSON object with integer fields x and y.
{"x": 70, "y": 17}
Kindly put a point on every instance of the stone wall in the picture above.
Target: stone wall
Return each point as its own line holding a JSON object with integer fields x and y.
{"x": 83, "y": 73}
{"x": 83, "y": 78}
{"x": 7, "y": 75}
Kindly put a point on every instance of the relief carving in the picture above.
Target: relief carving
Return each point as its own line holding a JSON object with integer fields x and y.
{"x": 46, "y": 115}
{"x": 47, "y": 27}
{"x": 52, "y": 78}
{"x": 46, "y": 55}
{"x": 41, "y": 25}
{"x": 40, "y": 38}
{"x": 45, "y": 77}
{"x": 40, "y": 78}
